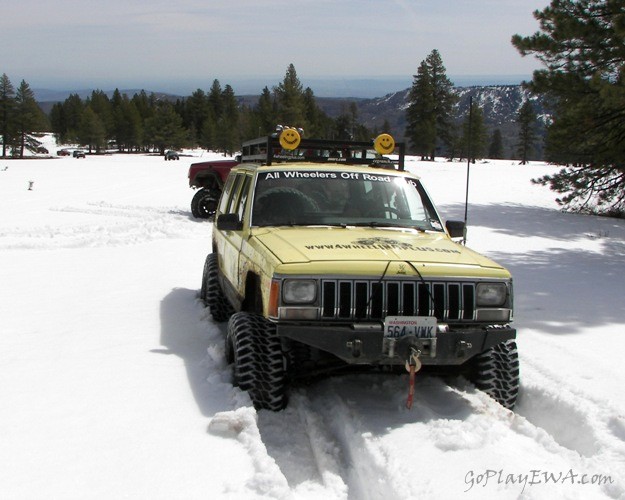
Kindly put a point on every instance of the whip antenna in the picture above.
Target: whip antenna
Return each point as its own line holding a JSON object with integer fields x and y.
{"x": 466, "y": 200}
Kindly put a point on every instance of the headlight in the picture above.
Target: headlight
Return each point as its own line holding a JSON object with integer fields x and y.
{"x": 299, "y": 291}
{"x": 491, "y": 294}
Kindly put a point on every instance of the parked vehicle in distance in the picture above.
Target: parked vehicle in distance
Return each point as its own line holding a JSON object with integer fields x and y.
{"x": 63, "y": 152}
{"x": 79, "y": 154}
{"x": 171, "y": 155}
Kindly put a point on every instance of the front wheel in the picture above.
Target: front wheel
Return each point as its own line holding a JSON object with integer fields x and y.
{"x": 496, "y": 372}
{"x": 256, "y": 350}
{"x": 204, "y": 203}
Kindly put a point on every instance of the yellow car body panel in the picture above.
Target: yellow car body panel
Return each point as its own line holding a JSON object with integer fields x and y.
{"x": 364, "y": 251}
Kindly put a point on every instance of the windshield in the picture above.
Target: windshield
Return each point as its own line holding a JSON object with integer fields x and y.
{"x": 340, "y": 198}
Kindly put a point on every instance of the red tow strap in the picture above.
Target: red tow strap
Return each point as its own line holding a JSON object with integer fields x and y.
{"x": 412, "y": 371}
{"x": 413, "y": 365}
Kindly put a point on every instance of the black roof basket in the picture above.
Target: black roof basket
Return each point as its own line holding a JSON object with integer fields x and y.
{"x": 267, "y": 150}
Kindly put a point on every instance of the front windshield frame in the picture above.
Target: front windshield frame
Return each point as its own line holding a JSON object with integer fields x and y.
{"x": 307, "y": 197}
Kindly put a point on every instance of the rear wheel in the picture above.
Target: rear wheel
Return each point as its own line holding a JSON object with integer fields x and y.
{"x": 204, "y": 203}
{"x": 496, "y": 372}
{"x": 256, "y": 350}
{"x": 211, "y": 292}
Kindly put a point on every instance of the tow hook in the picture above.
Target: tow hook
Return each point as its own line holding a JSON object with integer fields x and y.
{"x": 413, "y": 365}
{"x": 355, "y": 346}
{"x": 462, "y": 347}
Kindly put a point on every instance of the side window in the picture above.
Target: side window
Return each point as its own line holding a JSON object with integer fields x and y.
{"x": 225, "y": 196}
{"x": 245, "y": 191}
{"x": 233, "y": 195}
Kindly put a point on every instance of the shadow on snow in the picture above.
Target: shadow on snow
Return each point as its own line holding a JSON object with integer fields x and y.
{"x": 560, "y": 287}
{"x": 187, "y": 332}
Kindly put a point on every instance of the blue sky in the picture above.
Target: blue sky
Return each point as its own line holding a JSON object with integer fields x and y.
{"x": 186, "y": 44}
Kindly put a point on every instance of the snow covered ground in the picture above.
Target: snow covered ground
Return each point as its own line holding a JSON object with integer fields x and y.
{"x": 113, "y": 382}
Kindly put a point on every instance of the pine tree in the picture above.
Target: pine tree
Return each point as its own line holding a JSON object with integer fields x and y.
{"x": 71, "y": 114}
{"x": 582, "y": 45}
{"x": 207, "y": 135}
{"x": 228, "y": 123}
{"x": 128, "y": 125}
{"x": 526, "y": 119}
{"x": 430, "y": 108}
{"x": 119, "y": 129}
{"x": 164, "y": 130}
{"x": 102, "y": 106}
{"x": 58, "y": 122}
{"x": 215, "y": 99}
{"x": 7, "y": 106}
{"x": 444, "y": 98}
{"x": 28, "y": 116}
{"x": 495, "y": 150}
{"x": 290, "y": 100}
{"x": 267, "y": 113}
{"x": 386, "y": 127}
{"x": 145, "y": 105}
{"x": 196, "y": 112}
{"x": 92, "y": 132}
{"x": 342, "y": 128}
{"x": 420, "y": 115}
{"x": 317, "y": 121}
{"x": 474, "y": 134}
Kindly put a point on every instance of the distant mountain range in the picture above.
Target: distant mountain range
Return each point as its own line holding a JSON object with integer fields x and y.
{"x": 361, "y": 87}
{"x": 499, "y": 103}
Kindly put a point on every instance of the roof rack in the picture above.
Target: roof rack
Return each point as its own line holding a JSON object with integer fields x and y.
{"x": 269, "y": 150}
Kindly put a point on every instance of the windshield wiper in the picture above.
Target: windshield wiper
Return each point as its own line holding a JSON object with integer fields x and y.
{"x": 292, "y": 223}
{"x": 375, "y": 223}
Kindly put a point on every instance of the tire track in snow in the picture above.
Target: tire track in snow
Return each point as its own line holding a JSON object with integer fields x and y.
{"x": 351, "y": 437}
{"x": 575, "y": 420}
{"x": 336, "y": 442}
{"x": 389, "y": 451}
{"x": 305, "y": 450}
{"x": 563, "y": 426}
{"x": 366, "y": 472}
{"x": 549, "y": 400}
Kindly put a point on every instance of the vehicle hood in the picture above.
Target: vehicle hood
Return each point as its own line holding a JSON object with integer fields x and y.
{"x": 357, "y": 244}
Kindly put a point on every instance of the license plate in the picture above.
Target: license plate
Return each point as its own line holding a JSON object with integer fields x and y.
{"x": 418, "y": 326}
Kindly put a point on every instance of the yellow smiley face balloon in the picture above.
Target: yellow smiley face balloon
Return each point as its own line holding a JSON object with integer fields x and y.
{"x": 290, "y": 138}
{"x": 384, "y": 144}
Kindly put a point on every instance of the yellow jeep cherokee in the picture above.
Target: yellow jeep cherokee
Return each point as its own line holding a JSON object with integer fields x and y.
{"x": 328, "y": 255}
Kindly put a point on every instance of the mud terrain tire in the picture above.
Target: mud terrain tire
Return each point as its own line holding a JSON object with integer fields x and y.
{"x": 496, "y": 372}
{"x": 258, "y": 360}
{"x": 240, "y": 343}
{"x": 211, "y": 292}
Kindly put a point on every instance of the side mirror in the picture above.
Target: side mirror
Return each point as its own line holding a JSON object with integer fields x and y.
{"x": 455, "y": 228}
{"x": 229, "y": 222}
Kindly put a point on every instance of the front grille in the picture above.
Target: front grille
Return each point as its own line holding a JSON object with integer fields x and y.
{"x": 374, "y": 299}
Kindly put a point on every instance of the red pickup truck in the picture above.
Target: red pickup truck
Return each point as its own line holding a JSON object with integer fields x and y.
{"x": 209, "y": 178}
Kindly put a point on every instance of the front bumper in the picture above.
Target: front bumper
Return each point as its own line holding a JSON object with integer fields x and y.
{"x": 366, "y": 344}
